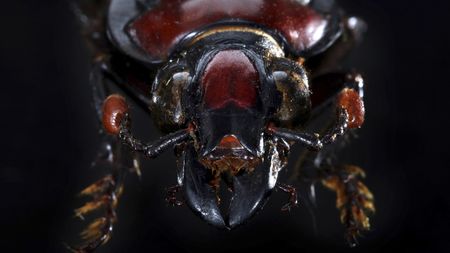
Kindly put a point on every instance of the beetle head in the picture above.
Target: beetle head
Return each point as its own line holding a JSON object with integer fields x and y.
{"x": 231, "y": 95}
{"x": 230, "y": 143}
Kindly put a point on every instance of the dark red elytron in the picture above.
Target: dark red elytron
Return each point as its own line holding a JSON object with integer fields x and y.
{"x": 232, "y": 84}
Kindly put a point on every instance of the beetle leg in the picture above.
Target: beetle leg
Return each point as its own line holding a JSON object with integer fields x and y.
{"x": 349, "y": 103}
{"x": 353, "y": 198}
{"x": 326, "y": 89}
{"x": 292, "y": 192}
{"x": 155, "y": 148}
{"x": 105, "y": 194}
{"x": 313, "y": 141}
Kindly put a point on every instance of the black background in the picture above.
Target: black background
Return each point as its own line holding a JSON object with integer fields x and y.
{"x": 49, "y": 137}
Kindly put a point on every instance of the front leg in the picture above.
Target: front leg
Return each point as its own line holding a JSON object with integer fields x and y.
{"x": 115, "y": 155}
{"x": 345, "y": 90}
{"x": 116, "y": 121}
{"x": 105, "y": 193}
{"x": 354, "y": 200}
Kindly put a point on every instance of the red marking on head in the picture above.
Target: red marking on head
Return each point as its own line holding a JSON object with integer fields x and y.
{"x": 229, "y": 155}
{"x": 229, "y": 142}
{"x": 230, "y": 77}
{"x": 160, "y": 28}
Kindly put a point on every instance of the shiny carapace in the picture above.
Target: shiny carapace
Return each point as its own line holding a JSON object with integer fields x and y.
{"x": 232, "y": 85}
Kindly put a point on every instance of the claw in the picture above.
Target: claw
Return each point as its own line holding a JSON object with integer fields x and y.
{"x": 105, "y": 194}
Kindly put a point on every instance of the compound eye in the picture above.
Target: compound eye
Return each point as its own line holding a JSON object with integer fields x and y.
{"x": 292, "y": 83}
{"x": 167, "y": 95}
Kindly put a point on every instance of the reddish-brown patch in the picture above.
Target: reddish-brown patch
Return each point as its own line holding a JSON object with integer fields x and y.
{"x": 114, "y": 109}
{"x": 350, "y": 100}
{"x": 230, "y": 78}
{"x": 159, "y": 29}
{"x": 229, "y": 142}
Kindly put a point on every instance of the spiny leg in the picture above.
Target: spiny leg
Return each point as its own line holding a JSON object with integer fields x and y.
{"x": 350, "y": 110}
{"x": 114, "y": 155}
{"x": 117, "y": 122}
{"x": 104, "y": 193}
{"x": 353, "y": 199}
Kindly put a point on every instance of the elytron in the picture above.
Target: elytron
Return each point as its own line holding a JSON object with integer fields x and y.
{"x": 232, "y": 85}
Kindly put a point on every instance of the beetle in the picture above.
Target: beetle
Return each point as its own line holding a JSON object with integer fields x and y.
{"x": 232, "y": 84}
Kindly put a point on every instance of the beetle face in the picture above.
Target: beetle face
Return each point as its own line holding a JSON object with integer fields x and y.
{"x": 230, "y": 143}
{"x": 230, "y": 98}
{"x": 230, "y": 108}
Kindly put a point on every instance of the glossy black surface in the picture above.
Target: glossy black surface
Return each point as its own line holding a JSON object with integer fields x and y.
{"x": 50, "y": 140}
{"x": 199, "y": 194}
{"x": 250, "y": 191}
